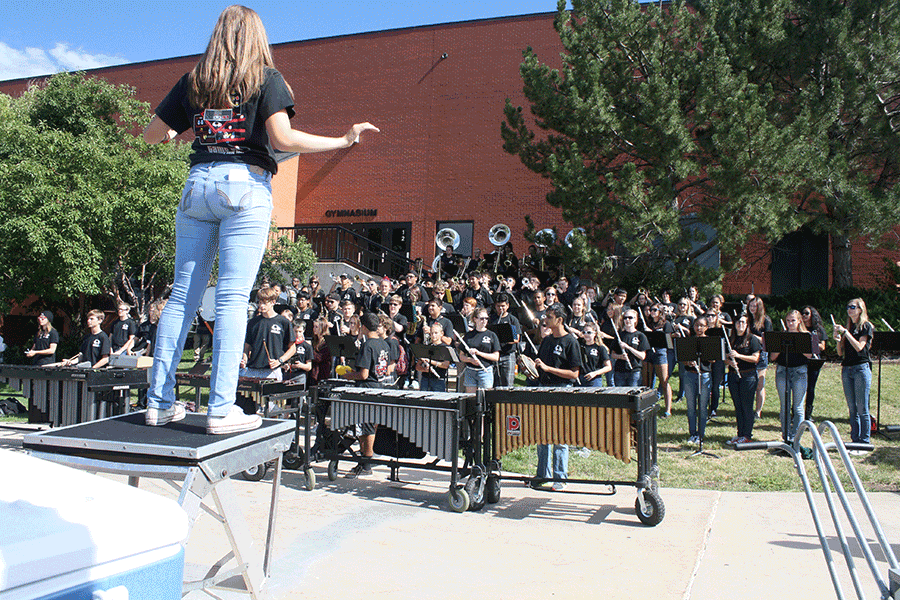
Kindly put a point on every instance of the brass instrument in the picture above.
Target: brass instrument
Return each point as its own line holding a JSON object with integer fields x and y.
{"x": 498, "y": 236}
{"x": 570, "y": 237}
{"x": 542, "y": 239}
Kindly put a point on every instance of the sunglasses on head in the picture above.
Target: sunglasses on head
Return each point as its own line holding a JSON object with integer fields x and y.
{"x": 852, "y": 307}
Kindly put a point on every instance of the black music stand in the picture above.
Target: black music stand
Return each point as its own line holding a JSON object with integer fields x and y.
{"x": 697, "y": 349}
{"x": 884, "y": 342}
{"x": 458, "y": 321}
{"x": 343, "y": 346}
{"x": 788, "y": 341}
{"x": 504, "y": 332}
{"x": 438, "y": 353}
{"x": 660, "y": 339}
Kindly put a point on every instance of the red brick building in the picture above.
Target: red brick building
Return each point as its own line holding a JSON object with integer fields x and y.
{"x": 437, "y": 93}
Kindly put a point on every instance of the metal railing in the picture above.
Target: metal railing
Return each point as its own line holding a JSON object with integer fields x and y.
{"x": 334, "y": 243}
{"x": 832, "y": 486}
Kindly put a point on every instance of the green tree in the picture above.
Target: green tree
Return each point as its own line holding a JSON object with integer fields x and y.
{"x": 673, "y": 129}
{"x": 286, "y": 258}
{"x": 86, "y": 207}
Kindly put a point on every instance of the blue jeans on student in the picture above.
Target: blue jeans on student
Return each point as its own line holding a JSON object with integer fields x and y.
{"x": 432, "y": 384}
{"x": 560, "y": 467}
{"x": 857, "y": 380}
{"x": 627, "y": 378}
{"x": 791, "y": 385}
{"x": 696, "y": 394}
{"x": 743, "y": 392}
{"x": 224, "y": 207}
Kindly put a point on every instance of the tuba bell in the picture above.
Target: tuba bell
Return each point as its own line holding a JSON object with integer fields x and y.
{"x": 544, "y": 237}
{"x": 570, "y": 237}
{"x": 499, "y": 234}
{"x": 447, "y": 237}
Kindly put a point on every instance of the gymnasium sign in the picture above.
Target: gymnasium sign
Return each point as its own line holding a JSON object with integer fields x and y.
{"x": 352, "y": 212}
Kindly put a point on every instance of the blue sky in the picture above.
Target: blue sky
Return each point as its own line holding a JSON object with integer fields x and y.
{"x": 39, "y": 37}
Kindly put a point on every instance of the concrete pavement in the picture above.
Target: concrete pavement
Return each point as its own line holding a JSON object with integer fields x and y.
{"x": 373, "y": 538}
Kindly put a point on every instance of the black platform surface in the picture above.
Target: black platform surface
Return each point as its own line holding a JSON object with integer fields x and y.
{"x": 126, "y": 436}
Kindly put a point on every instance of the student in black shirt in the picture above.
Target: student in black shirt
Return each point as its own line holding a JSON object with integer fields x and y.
{"x": 299, "y": 365}
{"x": 506, "y": 366}
{"x": 743, "y": 358}
{"x": 854, "y": 342}
{"x": 95, "y": 347}
{"x": 372, "y": 368}
{"x": 269, "y": 342}
{"x": 43, "y": 350}
{"x": 485, "y": 352}
{"x": 123, "y": 330}
{"x": 559, "y": 364}
{"x": 596, "y": 358}
{"x": 627, "y": 368}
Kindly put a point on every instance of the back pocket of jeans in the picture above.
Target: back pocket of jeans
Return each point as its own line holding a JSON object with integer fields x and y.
{"x": 235, "y": 195}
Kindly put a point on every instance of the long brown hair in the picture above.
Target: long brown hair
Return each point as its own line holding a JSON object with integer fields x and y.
{"x": 232, "y": 68}
{"x": 863, "y": 319}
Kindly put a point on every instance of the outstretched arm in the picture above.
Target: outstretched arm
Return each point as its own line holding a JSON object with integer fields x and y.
{"x": 286, "y": 139}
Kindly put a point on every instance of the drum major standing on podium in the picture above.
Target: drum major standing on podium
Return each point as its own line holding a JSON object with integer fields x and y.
{"x": 238, "y": 106}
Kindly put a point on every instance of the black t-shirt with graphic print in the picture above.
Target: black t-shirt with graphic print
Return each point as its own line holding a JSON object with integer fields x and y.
{"x": 95, "y": 346}
{"x": 277, "y": 335}
{"x": 236, "y": 134}
{"x": 560, "y": 353}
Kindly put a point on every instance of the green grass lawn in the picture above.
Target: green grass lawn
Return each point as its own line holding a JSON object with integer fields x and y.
{"x": 756, "y": 470}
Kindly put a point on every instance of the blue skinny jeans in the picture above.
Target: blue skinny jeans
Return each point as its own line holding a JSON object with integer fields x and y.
{"x": 224, "y": 207}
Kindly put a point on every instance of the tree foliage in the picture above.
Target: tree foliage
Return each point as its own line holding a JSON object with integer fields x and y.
{"x": 671, "y": 129}
{"x": 286, "y": 258}
{"x": 86, "y": 207}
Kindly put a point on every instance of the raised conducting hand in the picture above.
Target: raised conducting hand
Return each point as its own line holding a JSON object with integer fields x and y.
{"x": 352, "y": 136}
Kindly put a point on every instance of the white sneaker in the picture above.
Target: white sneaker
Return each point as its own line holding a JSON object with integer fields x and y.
{"x": 235, "y": 421}
{"x": 160, "y": 416}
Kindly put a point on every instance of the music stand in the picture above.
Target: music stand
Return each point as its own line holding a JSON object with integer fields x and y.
{"x": 504, "y": 332}
{"x": 700, "y": 349}
{"x": 660, "y": 339}
{"x": 438, "y": 353}
{"x": 884, "y": 342}
{"x": 457, "y": 320}
{"x": 342, "y": 346}
{"x": 792, "y": 342}
{"x": 734, "y": 309}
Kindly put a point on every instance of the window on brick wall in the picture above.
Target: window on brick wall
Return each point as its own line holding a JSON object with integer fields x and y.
{"x": 800, "y": 262}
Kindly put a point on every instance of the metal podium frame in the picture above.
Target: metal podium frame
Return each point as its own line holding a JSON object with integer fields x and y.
{"x": 195, "y": 470}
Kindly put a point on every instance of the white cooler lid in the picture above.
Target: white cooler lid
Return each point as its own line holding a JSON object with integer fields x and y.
{"x": 56, "y": 520}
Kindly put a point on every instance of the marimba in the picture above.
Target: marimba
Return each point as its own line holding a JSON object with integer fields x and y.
{"x": 69, "y": 395}
{"x": 601, "y": 419}
{"x": 436, "y": 423}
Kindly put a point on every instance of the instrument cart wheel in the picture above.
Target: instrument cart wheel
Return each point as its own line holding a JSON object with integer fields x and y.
{"x": 255, "y": 473}
{"x": 459, "y": 500}
{"x": 332, "y": 470}
{"x": 310, "y": 479}
{"x": 655, "y": 509}
{"x": 492, "y": 490}
{"x": 293, "y": 459}
{"x": 476, "y": 492}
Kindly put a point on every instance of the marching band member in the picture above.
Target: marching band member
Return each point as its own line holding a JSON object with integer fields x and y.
{"x": 559, "y": 364}
{"x": 813, "y": 323}
{"x": 791, "y": 380}
{"x": 743, "y": 358}
{"x": 301, "y": 363}
{"x": 95, "y": 347}
{"x": 627, "y": 368}
{"x": 433, "y": 373}
{"x": 759, "y": 325}
{"x": 696, "y": 387}
{"x": 123, "y": 330}
{"x": 485, "y": 352}
{"x": 596, "y": 358}
{"x": 43, "y": 350}
{"x": 659, "y": 357}
{"x": 854, "y": 343}
{"x": 268, "y": 343}
{"x": 506, "y": 366}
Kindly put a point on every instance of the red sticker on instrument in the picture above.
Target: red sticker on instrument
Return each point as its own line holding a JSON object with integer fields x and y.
{"x": 513, "y": 425}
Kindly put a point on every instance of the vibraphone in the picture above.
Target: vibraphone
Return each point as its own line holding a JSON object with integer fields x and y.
{"x": 69, "y": 395}
{"x": 434, "y": 422}
{"x": 597, "y": 418}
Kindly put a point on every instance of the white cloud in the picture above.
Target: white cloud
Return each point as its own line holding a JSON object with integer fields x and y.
{"x": 33, "y": 62}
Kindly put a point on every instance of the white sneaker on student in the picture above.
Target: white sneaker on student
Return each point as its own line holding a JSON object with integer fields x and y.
{"x": 235, "y": 421}
{"x": 160, "y": 416}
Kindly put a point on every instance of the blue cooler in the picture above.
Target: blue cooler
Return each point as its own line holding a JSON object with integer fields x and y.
{"x": 69, "y": 535}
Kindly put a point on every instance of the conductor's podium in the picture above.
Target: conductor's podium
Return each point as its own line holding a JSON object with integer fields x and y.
{"x": 196, "y": 463}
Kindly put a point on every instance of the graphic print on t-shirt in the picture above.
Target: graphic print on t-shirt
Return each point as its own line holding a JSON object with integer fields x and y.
{"x": 220, "y": 126}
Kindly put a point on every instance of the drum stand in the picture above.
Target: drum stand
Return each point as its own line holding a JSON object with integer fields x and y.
{"x": 189, "y": 460}
{"x": 885, "y": 342}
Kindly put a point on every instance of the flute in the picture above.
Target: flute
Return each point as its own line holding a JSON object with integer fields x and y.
{"x": 467, "y": 349}
{"x": 622, "y": 347}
